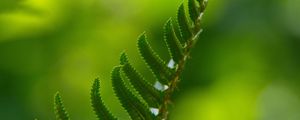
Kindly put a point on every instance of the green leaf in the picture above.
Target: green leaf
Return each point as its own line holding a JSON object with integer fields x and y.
{"x": 151, "y": 95}
{"x": 155, "y": 63}
{"x": 193, "y": 10}
{"x": 202, "y": 5}
{"x": 135, "y": 108}
{"x": 138, "y": 104}
{"x": 98, "y": 105}
{"x": 60, "y": 111}
{"x": 200, "y": 1}
{"x": 175, "y": 48}
{"x": 123, "y": 58}
{"x": 183, "y": 23}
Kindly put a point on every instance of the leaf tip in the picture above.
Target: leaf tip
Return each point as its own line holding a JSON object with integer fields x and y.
{"x": 123, "y": 58}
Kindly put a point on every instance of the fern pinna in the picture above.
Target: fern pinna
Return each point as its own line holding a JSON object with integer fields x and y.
{"x": 154, "y": 102}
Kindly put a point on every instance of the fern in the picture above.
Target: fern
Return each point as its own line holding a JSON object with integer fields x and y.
{"x": 175, "y": 48}
{"x": 61, "y": 113}
{"x": 152, "y": 96}
{"x": 136, "y": 108}
{"x": 184, "y": 26}
{"x": 100, "y": 109}
{"x": 141, "y": 108}
{"x": 155, "y": 63}
{"x": 193, "y": 10}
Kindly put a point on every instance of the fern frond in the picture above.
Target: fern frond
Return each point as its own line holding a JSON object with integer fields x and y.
{"x": 174, "y": 45}
{"x": 151, "y": 95}
{"x": 60, "y": 111}
{"x": 193, "y": 10}
{"x": 98, "y": 105}
{"x": 135, "y": 108}
{"x": 203, "y": 4}
{"x": 124, "y": 58}
{"x": 183, "y": 23}
{"x": 155, "y": 63}
{"x": 138, "y": 107}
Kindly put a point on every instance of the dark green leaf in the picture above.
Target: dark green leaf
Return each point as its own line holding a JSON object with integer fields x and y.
{"x": 148, "y": 92}
{"x": 184, "y": 27}
{"x": 174, "y": 46}
{"x": 202, "y": 5}
{"x": 156, "y": 64}
{"x": 60, "y": 111}
{"x": 123, "y": 58}
{"x": 193, "y": 10}
{"x": 136, "y": 109}
{"x": 98, "y": 105}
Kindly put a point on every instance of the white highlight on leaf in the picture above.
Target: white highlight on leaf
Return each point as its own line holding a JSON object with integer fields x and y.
{"x": 160, "y": 86}
{"x": 166, "y": 87}
{"x": 171, "y": 64}
{"x": 155, "y": 111}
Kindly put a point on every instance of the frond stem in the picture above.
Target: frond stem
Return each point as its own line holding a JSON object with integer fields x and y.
{"x": 163, "y": 110}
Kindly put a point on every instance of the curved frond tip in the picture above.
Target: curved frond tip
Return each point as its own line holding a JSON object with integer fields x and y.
{"x": 60, "y": 111}
{"x": 98, "y": 105}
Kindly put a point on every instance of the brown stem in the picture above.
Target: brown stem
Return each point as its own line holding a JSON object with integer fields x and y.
{"x": 163, "y": 110}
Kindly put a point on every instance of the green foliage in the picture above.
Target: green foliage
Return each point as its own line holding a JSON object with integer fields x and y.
{"x": 202, "y": 4}
{"x": 175, "y": 48}
{"x": 98, "y": 105}
{"x": 193, "y": 10}
{"x": 155, "y": 63}
{"x": 60, "y": 111}
{"x": 136, "y": 109}
{"x": 151, "y": 95}
{"x": 184, "y": 26}
{"x": 166, "y": 74}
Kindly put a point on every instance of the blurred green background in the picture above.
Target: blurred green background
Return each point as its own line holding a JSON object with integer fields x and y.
{"x": 245, "y": 67}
